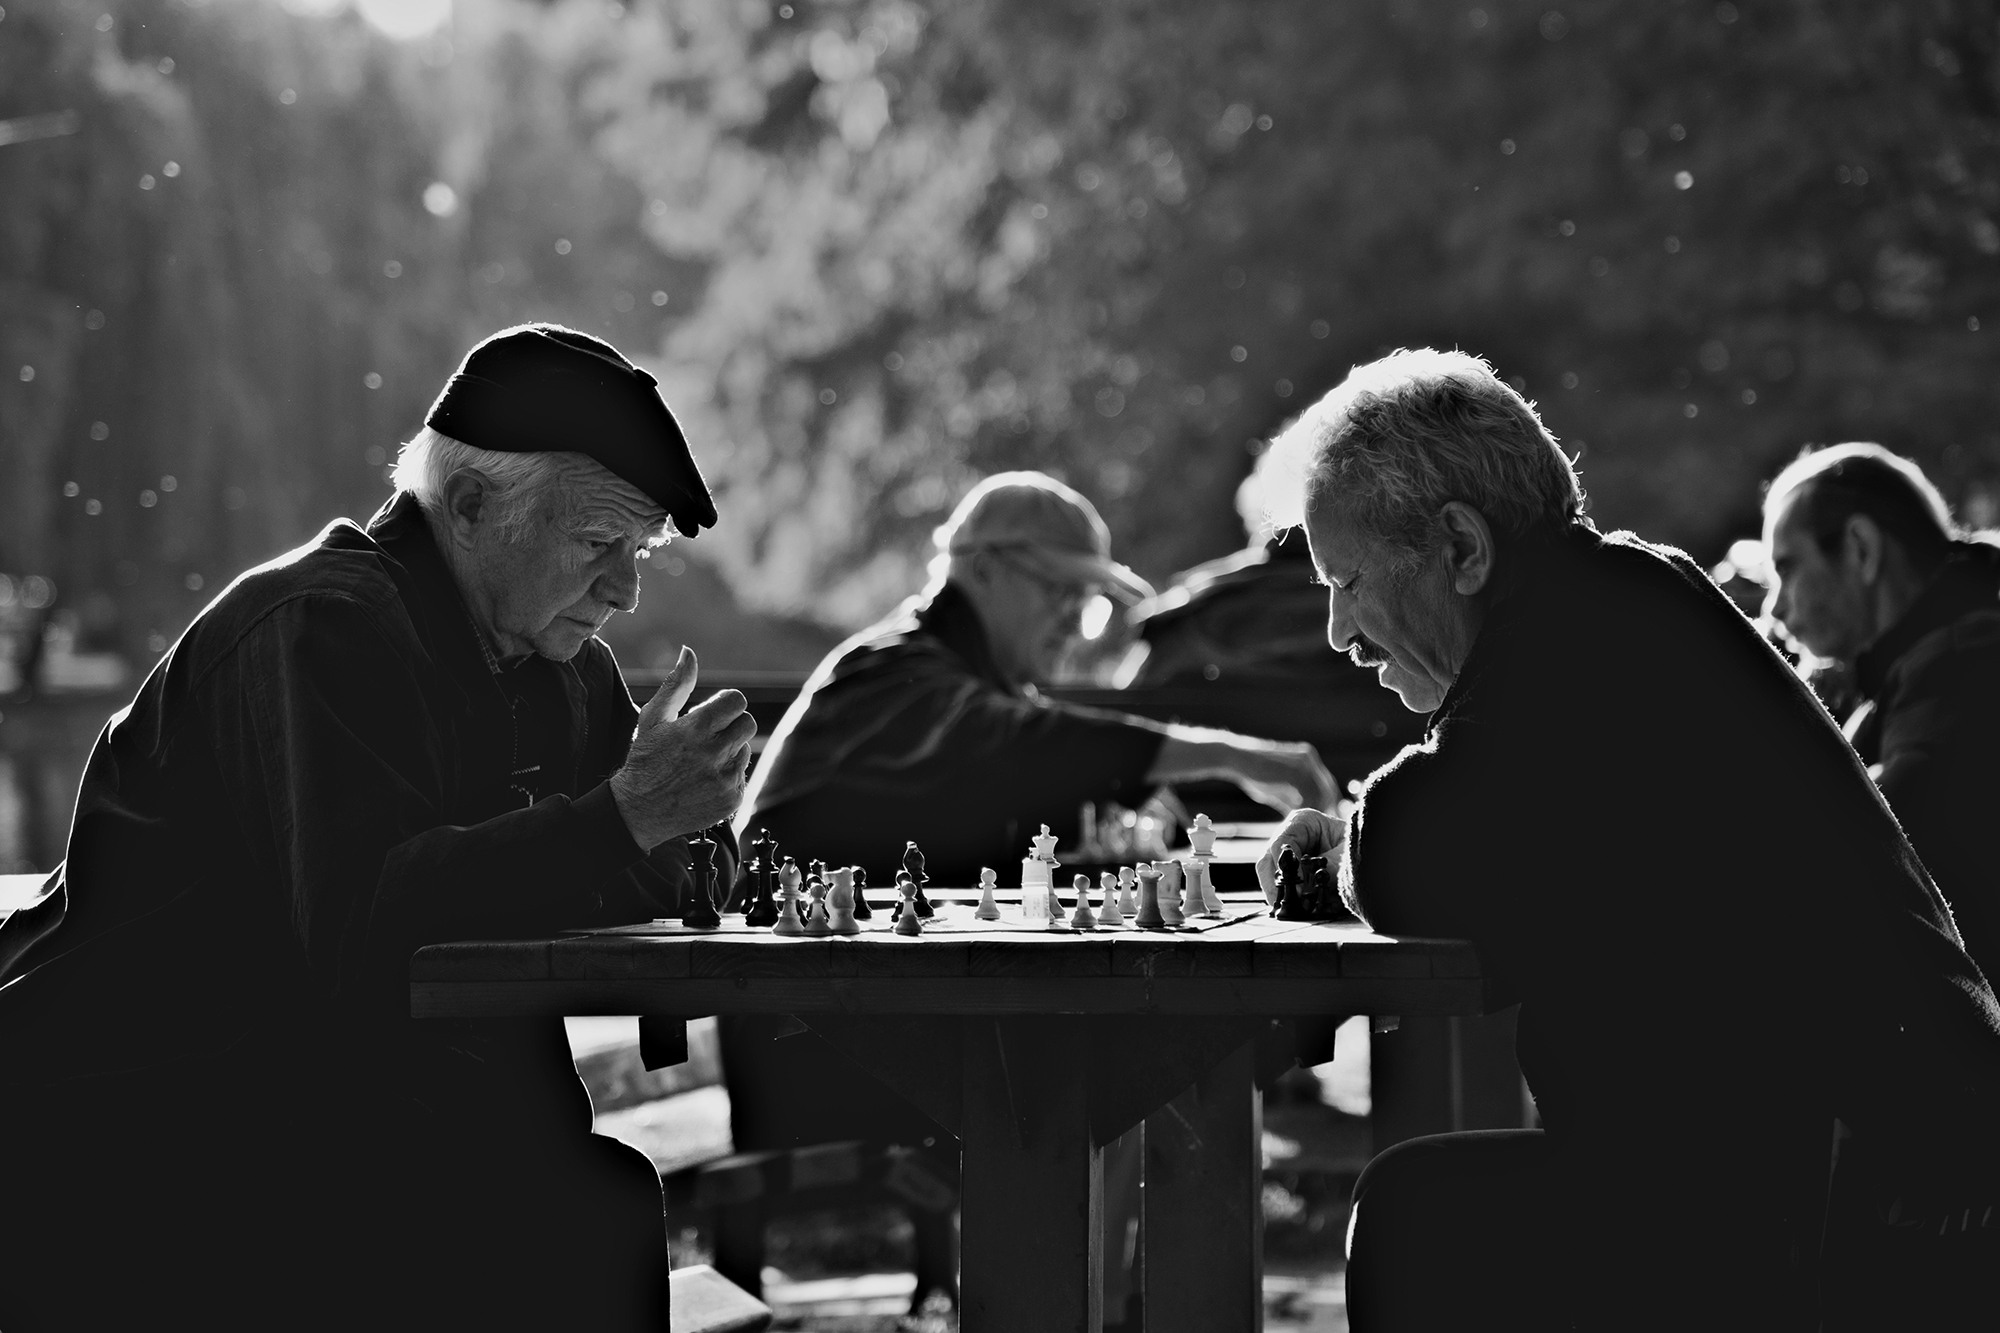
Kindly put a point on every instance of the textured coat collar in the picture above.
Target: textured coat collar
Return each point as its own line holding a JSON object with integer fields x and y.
{"x": 1968, "y": 582}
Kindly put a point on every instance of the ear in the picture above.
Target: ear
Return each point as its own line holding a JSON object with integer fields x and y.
{"x": 1863, "y": 548}
{"x": 465, "y": 505}
{"x": 1469, "y": 551}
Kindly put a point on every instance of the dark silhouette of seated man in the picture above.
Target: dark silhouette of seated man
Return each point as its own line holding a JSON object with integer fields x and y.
{"x": 216, "y": 1108}
{"x": 1870, "y": 572}
{"x": 1714, "y": 992}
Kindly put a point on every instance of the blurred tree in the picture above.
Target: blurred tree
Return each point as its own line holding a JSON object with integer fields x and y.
{"x": 877, "y": 248}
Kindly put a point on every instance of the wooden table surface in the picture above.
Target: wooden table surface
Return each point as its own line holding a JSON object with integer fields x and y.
{"x": 1035, "y": 1048}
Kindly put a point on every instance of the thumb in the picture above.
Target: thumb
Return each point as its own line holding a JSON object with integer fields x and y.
{"x": 672, "y": 696}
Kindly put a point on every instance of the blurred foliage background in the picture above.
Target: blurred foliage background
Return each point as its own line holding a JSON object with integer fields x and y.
{"x": 874, "y": 249}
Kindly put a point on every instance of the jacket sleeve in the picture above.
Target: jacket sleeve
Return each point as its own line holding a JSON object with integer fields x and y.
{"x": 322, "y": 713}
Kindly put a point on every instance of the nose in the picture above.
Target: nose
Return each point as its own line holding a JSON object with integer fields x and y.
{"x": 1340, "y": 629}
{"x": 618, "y": 586}
{"x": 1777, "y": 606}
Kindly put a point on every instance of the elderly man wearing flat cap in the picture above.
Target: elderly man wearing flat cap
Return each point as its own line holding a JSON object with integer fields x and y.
{"x": 217, "y": 1111}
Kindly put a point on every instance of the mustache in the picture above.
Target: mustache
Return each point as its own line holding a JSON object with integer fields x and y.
{"x": 1365, "y": 654}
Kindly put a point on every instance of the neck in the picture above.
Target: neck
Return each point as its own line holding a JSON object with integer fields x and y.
{"x": 1006, "y": 654}
{"x": 1895, "y": 593}
{"x": 478, "y": 601}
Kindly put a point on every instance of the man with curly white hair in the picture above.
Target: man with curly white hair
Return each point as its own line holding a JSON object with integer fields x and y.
{"x": 218, "y": 1110}
{"x": 1767, "y": 1071}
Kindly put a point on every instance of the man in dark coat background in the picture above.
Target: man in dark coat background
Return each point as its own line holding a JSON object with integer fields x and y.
{"x": 1721, "y": 997}
{"x": 1870, "y": 572}
{"x": 216, "y": 1107}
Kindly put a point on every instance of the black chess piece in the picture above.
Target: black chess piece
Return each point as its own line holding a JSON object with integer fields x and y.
{"x": 913, "y": 865}
{"x": 1289, "y": 906}
{"x": 862, "y": 911}
{"x": 743, "y": 892}
{"x": 764, "y": 910}
{"x": 699, "y": 913}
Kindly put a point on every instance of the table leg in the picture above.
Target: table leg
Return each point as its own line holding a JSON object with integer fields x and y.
{"x": 1203, "y": 1228}
{"x": 1032, "y": 1180}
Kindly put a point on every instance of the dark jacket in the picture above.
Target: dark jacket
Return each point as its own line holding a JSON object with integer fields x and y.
{"x": 1931, "y": 720}
{"x": 321, "y": 776}
{"x": 1719, "y": 937}
{"x": 909, "y": 730}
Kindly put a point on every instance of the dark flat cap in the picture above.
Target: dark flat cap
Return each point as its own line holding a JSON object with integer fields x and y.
{"x": 542, "y": 388}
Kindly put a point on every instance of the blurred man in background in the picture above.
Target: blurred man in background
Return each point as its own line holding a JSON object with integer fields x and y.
{"x": 216, "y": 1108}
{"x": 1869, "y": 571}
{"x": 1585, "y": 691}
{"x": 928, "y": 726}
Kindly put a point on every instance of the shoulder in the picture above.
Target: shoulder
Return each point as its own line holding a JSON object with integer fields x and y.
{"x": 1958, "y": 660}
{"x": 337, "y": 583}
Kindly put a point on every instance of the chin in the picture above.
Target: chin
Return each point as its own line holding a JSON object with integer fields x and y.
{"x": 1419, "y": 696}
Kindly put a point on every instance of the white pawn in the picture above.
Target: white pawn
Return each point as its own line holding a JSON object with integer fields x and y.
{"x": 817, "y": 923}
{"x": 840, "y": 904}
{"x": 988, "y": 910}
{"x": 1110, "y": 914}
{"x": 1128, "y": 891}
{"x": 1170, "y": 892}
{"x": 788, "y": 922}
{"x": 1084, "y": 919}
{"x": 1191, "y": 903}
{"x": 907, "y": 920}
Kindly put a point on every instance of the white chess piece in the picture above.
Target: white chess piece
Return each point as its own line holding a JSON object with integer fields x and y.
{"x": 1201, "y": 837}
{"x": 817, "y": 922}
{"x": 1128, "y": 891}
{"x": 1110, "y": 914}
{"x": 1045, "y": 846}
{"x": 1170, "y": 892}
{"x": 988, "y": 909}
{"x": 1211, "y": 901}
{"x": 1191, "y": 903}
{"x": 1034, "y": 889}
{"x": 840, "y": 903}
{"x": 788, "y": 922}
{"x": 1085, "y": 919}
{"x": 907, "y": 920}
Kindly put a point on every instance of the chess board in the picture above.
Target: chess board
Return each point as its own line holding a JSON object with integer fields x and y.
{"x": 953, "y": 918}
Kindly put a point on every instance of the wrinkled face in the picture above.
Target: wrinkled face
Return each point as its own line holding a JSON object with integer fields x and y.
{"x": 1031, "y": 618}
{"x": 550, "y": 586}
{"x": 1407, "y": 626}
{"x": 1818, "y": 598}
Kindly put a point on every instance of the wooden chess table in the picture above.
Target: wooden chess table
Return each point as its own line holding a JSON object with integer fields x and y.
{"x": 1035, "y": 1048}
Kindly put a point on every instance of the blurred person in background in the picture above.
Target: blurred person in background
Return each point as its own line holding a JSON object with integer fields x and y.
{"x": 1814, "y": 1020}
{"x": 928, "y": 726}
{"x": 1868, "y": 570}
{"x": 217, "y": 1109}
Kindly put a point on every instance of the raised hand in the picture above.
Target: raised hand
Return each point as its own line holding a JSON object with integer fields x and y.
{"x": 684, "y": 773}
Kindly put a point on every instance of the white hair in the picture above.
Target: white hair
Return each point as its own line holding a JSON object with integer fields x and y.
{"x": 1406, "y": 434}
{"x": 514, "y": 481}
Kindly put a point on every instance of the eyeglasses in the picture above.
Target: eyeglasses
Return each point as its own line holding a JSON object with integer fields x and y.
{"x": 1063, "y": 593}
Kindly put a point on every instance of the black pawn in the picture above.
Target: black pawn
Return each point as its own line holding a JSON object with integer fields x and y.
{"x": 700, "y": 913}
{"x": 862, "y": 911}
{"x": 1288, "y": 907}
{"x": 913, "y": 865}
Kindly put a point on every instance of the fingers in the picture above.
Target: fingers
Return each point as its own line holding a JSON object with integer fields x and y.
{"x": 672, "y": 696}
{"x": 722, "y": 710}
{"x": 1309, "y": 832}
